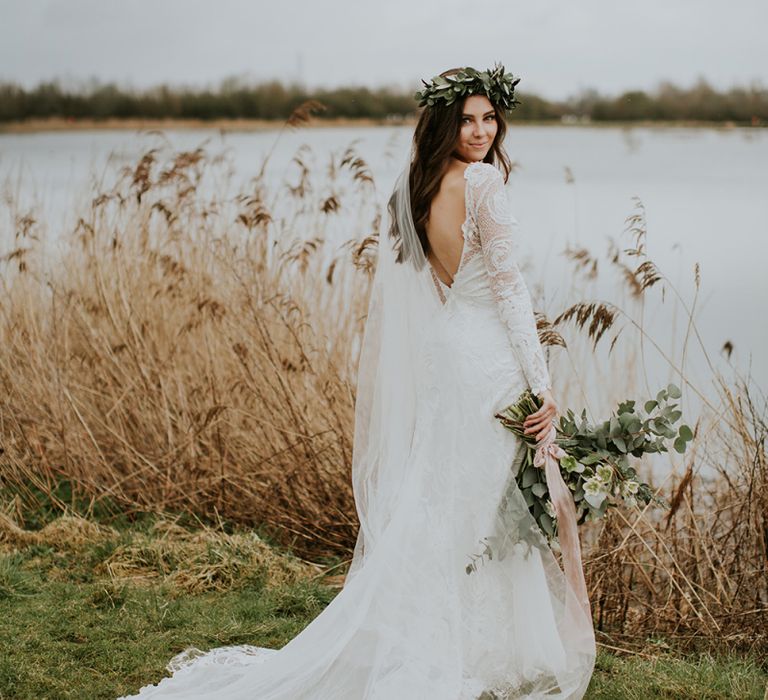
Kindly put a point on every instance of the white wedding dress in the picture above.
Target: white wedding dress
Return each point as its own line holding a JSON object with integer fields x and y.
{"x": 419, "y": 618}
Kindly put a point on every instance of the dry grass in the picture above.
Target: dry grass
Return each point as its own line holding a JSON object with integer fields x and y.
{"x": 203, "y": 560}
{"x": 194, "y": 350}
{"x": 186, "y": 561}
{"x": 66, "y": 531}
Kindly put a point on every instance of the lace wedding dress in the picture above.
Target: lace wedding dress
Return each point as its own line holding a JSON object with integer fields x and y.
{"x": 420, "y": 616}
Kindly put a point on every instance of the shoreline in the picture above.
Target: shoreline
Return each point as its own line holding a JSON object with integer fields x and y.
{"x": 32, "y": 126}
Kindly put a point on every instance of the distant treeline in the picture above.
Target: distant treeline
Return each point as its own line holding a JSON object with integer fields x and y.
{"x": 273, "y": 100}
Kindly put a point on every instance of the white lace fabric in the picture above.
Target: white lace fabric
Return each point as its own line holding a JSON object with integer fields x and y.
{"x": 495, "y": 228}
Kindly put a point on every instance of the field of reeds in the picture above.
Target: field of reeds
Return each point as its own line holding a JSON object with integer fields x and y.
{"x": 191, "y": 348}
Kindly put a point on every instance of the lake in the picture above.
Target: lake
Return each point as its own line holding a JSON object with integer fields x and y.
{"x": 705, "y": 193}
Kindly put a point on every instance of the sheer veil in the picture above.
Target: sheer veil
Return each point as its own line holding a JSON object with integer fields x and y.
{"x": 402, "y": 300}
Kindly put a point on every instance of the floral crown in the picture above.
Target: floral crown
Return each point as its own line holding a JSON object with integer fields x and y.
{"x": 495, "y": 84}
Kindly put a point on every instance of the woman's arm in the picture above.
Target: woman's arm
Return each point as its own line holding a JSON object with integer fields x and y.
{"x": 496, "y": 227}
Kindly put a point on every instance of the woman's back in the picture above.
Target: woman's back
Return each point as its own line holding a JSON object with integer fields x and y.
{"x": 447, "y": 214}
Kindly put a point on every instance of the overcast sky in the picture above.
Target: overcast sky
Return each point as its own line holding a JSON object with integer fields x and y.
{"x": 557, "y": 46}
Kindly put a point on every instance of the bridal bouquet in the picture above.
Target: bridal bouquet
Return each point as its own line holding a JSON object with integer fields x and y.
{"x": 596, "y": 466}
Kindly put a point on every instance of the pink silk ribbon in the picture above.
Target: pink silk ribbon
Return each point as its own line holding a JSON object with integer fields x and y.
{"x": 547, "y": 456}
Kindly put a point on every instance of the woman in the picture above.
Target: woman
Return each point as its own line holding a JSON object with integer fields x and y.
{"x": 453, "y": 592}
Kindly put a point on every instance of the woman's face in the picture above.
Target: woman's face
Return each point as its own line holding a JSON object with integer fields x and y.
{"x": 478, "y": 129}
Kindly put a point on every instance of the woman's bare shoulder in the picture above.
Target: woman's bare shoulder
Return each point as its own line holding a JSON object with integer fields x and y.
{"x": 452, "y": 185}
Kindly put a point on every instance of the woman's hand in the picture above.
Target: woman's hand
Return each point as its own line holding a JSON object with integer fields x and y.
{"x": 540, "y": 421}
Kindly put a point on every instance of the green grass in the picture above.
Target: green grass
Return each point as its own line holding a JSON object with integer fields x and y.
{"x": 699, "y": 677}
{"x": 82, "y": 640}
{"x": 70, "y": 630}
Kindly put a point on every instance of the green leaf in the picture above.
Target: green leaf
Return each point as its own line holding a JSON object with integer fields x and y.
{"x": 680, "y": 445}
{"x": 674, "y": 391}
{"x": 650, "y": 405}
{"x": 539, "y": 490}
{"x": 624, "y": 419}
{"x": 686, "y": 433}
{"x": 674, "y": 416}
{"x": 667, "y": 432}
{"x": 530, "y": 476}
{"x": 619, "y": 442}
{"x": 546, "y": 524}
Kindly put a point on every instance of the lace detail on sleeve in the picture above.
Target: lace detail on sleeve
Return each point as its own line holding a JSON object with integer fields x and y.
{"x": 496, "y": 229}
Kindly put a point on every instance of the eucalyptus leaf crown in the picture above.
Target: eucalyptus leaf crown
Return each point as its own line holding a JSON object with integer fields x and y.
{"x": 497, "y": 85}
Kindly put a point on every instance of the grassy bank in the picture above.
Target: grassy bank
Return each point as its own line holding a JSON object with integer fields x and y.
{"x": 89, "y": 611}
{"x": 32, "y": 126}
{"x": 93, "y": 611}
{"x": 135, "y": 124}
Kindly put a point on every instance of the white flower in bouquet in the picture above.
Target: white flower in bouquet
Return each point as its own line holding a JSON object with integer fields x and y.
{"x": 593, "y": 486}
{"x": 629, "y": 488}
{"x": 571, "y": 465}
{"x": 604, "y": 472}
{"x": 595, "y": 491}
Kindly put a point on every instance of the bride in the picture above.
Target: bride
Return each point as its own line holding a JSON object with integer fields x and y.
{"x": 453, "y": 592}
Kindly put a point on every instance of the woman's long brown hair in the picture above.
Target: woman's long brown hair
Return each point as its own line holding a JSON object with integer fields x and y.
{"x": 434, "y": 141}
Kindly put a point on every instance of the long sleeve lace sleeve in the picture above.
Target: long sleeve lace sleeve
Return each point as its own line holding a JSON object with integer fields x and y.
{"x": 496, "y": 228}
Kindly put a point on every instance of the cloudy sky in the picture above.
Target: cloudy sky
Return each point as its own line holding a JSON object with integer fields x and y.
{"x": 557, "y": 46}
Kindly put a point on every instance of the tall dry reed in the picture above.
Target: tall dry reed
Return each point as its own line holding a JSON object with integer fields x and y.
{"x": 194, "y": 349}
{"x": 188, "y": 351}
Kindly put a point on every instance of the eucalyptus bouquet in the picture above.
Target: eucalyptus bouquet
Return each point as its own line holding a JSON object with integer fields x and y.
{"x": 597, "y": 466}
